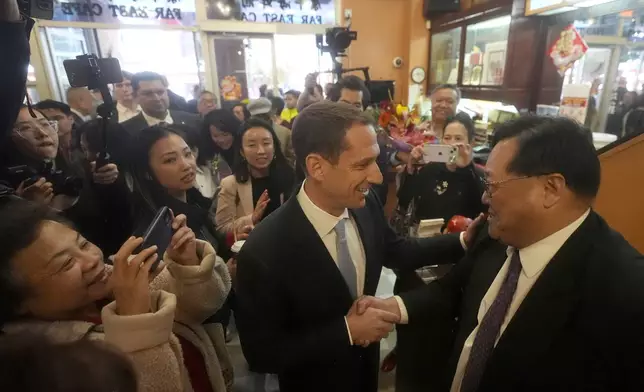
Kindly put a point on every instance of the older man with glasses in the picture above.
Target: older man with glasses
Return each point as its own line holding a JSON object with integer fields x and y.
{"x": 549, "y": 297}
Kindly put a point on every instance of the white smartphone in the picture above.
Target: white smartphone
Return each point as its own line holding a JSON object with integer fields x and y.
{"x": 439, "y": 153}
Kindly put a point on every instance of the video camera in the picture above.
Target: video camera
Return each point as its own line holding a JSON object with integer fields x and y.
{"x": 338, "y": 40}
{"x": 38, "y": 9}
{"x": 62, "y": 184}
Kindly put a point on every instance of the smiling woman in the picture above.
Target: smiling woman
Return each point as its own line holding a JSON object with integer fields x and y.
{"x": 262, "y": 179}
{"x": 54, "y": 282}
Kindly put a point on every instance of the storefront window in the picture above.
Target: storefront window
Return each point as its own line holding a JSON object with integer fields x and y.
{"x": 445, "y": 48}
{"x": 31, "y": 74}
{"x": 606, "y": 25}
{"x": 297, "y": 56}
{"x": 486, "y": 45}
{"x": 33, "y": 95}
{"x": 243, "y": 65}
{"x": 631, "y": 70}
{"x": 168, "y": 52}
{"x": 66, "y": 43}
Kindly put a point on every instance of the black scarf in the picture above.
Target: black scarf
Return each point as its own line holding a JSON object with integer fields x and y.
{"x": 195, "y": 209}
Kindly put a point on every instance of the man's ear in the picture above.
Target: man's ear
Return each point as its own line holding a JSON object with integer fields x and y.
{"x": 315, "y": 165}
{"x": 554, "y": 189}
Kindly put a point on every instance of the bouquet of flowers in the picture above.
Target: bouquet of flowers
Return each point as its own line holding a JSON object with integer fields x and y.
{"x": 404, "y": 128}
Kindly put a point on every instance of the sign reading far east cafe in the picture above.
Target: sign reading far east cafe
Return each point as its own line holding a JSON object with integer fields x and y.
{"x": 273, "y": 11}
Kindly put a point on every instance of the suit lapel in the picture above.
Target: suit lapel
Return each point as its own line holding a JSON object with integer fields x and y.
{"x": 308, "y": 248}
{"x": 545, "y": 310}
{"x": 367, "y": 236}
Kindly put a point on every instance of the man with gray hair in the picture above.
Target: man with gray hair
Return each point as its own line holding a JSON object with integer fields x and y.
{"x": 445, "y": 99}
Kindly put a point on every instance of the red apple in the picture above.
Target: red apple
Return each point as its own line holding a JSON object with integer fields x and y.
{"x": 457, "y": 224}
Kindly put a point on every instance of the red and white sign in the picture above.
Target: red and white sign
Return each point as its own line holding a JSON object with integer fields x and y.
{"x": 569, "y": 48}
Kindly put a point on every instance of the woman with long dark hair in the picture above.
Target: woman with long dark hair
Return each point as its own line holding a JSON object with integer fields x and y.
{"x": 262, "y": 179}
{"x": 163, "y": 170}
{"x": 216, "y": 153}
{"x": 240, "y": 111}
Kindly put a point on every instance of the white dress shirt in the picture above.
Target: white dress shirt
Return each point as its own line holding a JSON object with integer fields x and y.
{"x": 152, "y": 121}
{"x": 324, "y": 224}
{"x": 534, "y": 260}
{"x": 81, "y": 115}
{"x": 203, "y": 180}
{"x": 126, "y": 113}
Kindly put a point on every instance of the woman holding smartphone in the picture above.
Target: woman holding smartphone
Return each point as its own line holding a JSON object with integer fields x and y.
{"x": 56, "y": 283}
{"x": 164, "y": 170}
{"x": 433, "y": 190}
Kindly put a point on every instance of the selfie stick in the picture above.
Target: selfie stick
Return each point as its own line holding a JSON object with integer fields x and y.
{"x": 106, "y": 109}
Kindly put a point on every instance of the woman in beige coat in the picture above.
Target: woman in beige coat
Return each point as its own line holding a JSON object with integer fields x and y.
{"x": 262, "y": 179}
{"x": 54, "y": 282}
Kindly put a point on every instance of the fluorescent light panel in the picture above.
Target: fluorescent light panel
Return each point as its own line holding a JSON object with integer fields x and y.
{"x": 591, "y": 3}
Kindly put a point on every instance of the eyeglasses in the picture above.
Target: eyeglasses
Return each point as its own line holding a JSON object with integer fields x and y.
{"x": 33, "y": 128}
{"x": 492, "y": 186}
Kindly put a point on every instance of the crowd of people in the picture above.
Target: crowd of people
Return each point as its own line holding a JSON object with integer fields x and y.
{"x": 542, "y": 295}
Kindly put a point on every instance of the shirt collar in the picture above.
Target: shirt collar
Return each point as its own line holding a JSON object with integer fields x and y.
{"x": 322, "y": 221}
{"x": 154, "y": 121}
{"x": 535, "y": 257}
{"x": 81, "y": 115}
{"x": 124, "y": 109}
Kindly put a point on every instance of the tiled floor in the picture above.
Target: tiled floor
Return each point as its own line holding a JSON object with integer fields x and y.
{"x": 246, "y": 382}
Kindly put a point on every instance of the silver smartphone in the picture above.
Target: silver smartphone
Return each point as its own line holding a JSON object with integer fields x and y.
{"x": 439, "y": 153}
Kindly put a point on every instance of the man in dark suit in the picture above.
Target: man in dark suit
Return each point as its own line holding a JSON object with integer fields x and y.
{"x": 303, "y": 266}
{"x": 549, "y": 297}
{"x": 151, "y": 92}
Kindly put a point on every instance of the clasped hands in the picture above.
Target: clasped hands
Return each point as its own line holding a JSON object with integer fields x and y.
{"x": 371, "y": 319}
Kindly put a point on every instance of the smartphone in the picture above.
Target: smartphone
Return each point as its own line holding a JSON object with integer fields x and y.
{"x": 439, "y": 153}
{"x": 79, "y": 71}
{"x": 18, "y": 174}
{"x": 159, "y": 233}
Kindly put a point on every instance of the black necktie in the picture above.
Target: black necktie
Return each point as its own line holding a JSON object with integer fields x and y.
{"x": 490, "y": 327}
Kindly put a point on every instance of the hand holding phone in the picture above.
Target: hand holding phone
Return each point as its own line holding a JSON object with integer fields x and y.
{"x": 183, "y": 245}
{"x": 159, "y": 233}
{"x": 130, "y": 277}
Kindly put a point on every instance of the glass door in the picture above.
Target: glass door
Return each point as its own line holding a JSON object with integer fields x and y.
{"x": 298, "y": 56}
{"x": 63, "y": 43}
{"x": 243, "y": 63}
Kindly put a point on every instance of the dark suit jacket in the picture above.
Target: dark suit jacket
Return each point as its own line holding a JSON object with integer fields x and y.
{"x": 578, "y": 329}
{"x": 292, "y": 298}
{"x": 138, "y": 123}
{"x": 78, "y": 121}
{"x": 14, "y": 47}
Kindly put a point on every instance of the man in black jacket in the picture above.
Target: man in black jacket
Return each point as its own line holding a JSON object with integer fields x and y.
{"x": 303, "y": 266}
{"x": 14, "y": 62}
{"x": 549, "y": 298}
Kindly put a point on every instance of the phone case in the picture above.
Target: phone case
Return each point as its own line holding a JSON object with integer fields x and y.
{"x": 159, "y": 233}
{"x": 439, "y": 153}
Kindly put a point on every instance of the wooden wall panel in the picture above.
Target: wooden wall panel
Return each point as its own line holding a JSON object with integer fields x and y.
{"x": 621, "y": 195}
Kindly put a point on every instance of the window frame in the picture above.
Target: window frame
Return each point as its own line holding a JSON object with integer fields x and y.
{"x": 462, "y": 23}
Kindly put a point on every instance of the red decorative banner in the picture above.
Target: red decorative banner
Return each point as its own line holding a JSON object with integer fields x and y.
{"x": 569, "y": 48}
